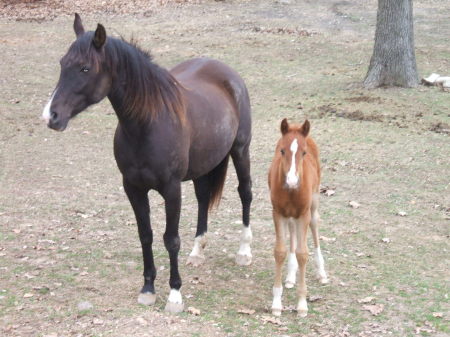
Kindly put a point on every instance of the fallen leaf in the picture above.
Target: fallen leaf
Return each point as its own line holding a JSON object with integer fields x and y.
{"x": 353, "y": 231}
{"x": 438, "y": 314}
{"x": 315, "y": 298}
{"x": 386, "y": 240}
{"x": 374, "y": 309}
{"x": 366, "y": 299}
{"x": 272, "y": 320}
{"x": 246, "y": 311}
{"x": 354, "y": 204}
{"x": 401, "y": 213}
{"x": 142, "y": 321}
{"x": 97, "y": 321}
{"x": 329, "y": 193}
{"x": 194, "y": 311}
{"x": 324, "y": 238}
{"x": 28, "y": 295}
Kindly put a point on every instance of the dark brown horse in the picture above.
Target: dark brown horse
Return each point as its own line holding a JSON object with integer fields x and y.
{"x": 172, "y": 126}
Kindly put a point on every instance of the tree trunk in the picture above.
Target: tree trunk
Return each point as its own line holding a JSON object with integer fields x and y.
{"x": 393, "y": 61}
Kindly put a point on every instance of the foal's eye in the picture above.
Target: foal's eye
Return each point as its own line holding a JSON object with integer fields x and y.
{"x": 84, "y": 69}
{"x": 282, "y": 152}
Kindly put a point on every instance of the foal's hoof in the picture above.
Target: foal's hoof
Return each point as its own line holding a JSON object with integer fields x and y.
{"x": 276, "y": 312}
{"x": 323, "y": 280}
{"x": 243, "y": 260}
{"x": 147, "y": 298}
{"x": 289, "y": 284}
{"x": 195, "y": 260}
{"x": 174, "y": 308}
{"x": 302, "y": 313}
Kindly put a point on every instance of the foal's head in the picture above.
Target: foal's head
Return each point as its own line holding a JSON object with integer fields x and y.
{"x": 85, "y": 77}
{"x": 291, "y": 150}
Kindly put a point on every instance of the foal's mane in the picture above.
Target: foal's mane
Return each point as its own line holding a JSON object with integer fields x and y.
{"x": 148, "y": 88}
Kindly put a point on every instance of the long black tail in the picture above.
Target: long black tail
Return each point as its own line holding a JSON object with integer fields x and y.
{"x": 217, "y": 180}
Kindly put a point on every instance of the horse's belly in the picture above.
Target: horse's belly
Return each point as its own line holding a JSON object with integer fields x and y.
{"x": 211, "y": 143}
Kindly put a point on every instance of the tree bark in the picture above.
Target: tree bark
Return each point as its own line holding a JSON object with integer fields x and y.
{"x": 393, "y": 61}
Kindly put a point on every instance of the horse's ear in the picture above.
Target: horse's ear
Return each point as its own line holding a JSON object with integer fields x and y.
{"x": 304, "y": 130}
{"x": 78, "y": 25}
{"x": 99, "y": 37}
{"x": 284, "y": 126}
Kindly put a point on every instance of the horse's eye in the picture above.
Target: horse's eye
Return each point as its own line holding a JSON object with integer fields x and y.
{"x": 84, "y": 69}
{"x": 304, "y": 153}
{"x": 282, "y": 152}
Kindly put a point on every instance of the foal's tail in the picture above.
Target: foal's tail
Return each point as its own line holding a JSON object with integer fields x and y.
{"x": 217, "y": 180}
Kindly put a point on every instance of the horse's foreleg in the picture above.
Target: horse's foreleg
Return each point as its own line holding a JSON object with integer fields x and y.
{"x": 318, "y": 258}
{"x": 302, "y": 258}
{"x": 292, "y": 259}
{"x": 172, "y": 198}
{"x": 279, "y": 254}
{"x": 202, "y": 192}
{"x": 139, "y": 201}
{"x": 241, "y": 161}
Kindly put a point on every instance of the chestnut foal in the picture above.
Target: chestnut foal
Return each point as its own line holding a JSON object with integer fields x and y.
{"x": 294, "y": 180}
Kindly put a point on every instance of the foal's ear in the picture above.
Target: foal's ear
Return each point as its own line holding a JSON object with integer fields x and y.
{"x": 304, "y": 130}
{"x": 99, "y": 36}
{"x": 284, "y": 126}
{"x": 78, "y": 25}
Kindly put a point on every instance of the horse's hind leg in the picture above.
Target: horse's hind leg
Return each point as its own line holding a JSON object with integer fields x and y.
{"x": 139, "y": 201}
{"x": 318, "y": 258}
{"x": 241, "y": 161}
{"x": 302, "y": 258}
{"x": 202, "y": 192}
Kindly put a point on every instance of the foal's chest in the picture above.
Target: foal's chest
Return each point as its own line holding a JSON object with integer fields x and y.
{"x": 290, "y": 205}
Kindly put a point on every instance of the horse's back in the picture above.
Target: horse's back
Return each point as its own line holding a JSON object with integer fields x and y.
{"x": 202, "y": 73}
{"x": 217, "y": 109}
{"x": 314, "y": 160}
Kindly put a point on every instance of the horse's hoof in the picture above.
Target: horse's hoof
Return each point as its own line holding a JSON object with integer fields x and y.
{"x": 276, "y": 312}
{"x": 243, "y": 260}
{"x": 323, "y": 280}
{"x": 289, "y": 284}
{"x": 147, "y": 298}
{"x": 302, "y": 308}
{"x": 195, "y": 260}
{"x": 174, "y": 308}
{"x": 302, "y": 313}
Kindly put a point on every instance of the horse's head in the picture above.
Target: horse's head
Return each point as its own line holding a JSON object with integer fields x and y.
{"x": 291, "y": 149}
{"x": 85, "y": 77}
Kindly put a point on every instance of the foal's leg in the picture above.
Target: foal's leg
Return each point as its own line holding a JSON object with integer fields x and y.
{"x": 318, "y": 258}
{"x": 241, "y": 161}
{"x": 279, "y": 254}
{"x": 172, "y": 198}
{"x": 302, "y": 258}
{"x": 139, "y": 201}
{"x": 292, "y": 259}
{"x": 202, "y": 192}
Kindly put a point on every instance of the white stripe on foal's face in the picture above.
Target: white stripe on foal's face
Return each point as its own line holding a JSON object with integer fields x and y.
{"x": 46, "y": 113}
{"x": 292, "y": 177}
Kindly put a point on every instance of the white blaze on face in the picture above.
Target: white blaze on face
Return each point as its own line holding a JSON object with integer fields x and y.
{"x": 292, "y": 178}
{"x": 46, "y": 113}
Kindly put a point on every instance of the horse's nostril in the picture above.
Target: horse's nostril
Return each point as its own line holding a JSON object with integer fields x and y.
{"x": 53, "y": 116}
